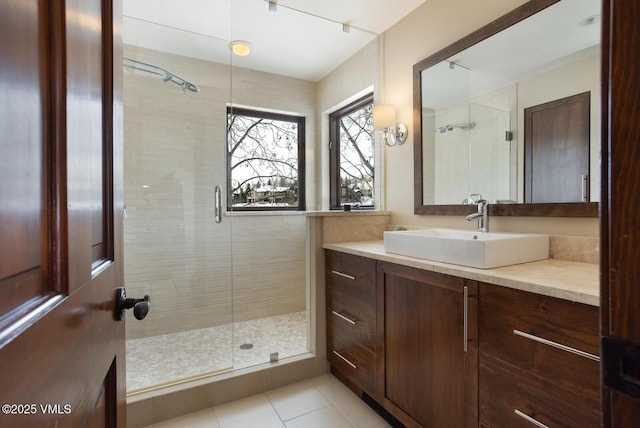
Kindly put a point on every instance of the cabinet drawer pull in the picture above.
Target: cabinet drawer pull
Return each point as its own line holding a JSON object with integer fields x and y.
{"x": 529, "y": 419}
{"x": 557, "y": 345}
{"x": 343, "y": 317}
{"x": 344, "y": 275}
{"x": 339, "y": 355}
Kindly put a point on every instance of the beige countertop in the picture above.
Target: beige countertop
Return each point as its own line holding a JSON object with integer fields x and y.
{"x": 577, "y": 282}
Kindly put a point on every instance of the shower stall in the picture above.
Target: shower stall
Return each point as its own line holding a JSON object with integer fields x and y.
{"x": 228, "y": 289}
{"x": 230, "y": 282}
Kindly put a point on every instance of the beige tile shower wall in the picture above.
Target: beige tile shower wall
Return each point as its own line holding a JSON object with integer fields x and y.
{"x": 269, "y": 265}
{"x": 174, "y": 158}
{"x": 452, "y": 154}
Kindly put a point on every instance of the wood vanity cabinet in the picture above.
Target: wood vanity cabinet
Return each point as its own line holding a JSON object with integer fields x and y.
{"x": 436, "y": 350}
{"x": 428, "y": 347}
{"x": 351, "y": 319}
{"x": 538, "y": 360}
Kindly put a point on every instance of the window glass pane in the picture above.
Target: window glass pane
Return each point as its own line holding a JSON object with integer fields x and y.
{"x": 357, "y": 157}
{"x": 264, "y": 160}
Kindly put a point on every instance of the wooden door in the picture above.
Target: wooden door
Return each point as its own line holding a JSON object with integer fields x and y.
{"x": 61, "y": 350}
{"x": 619, "y": 215}
{"x": 428, "y": 361}
{"x": 556, "y": 145}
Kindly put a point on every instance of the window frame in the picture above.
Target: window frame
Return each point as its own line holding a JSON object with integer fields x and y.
{"x": 301, "y": 128}
{"x": 335, "y": 192}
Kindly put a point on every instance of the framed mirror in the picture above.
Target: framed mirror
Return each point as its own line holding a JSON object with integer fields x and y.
{"x": 512, "y": 112}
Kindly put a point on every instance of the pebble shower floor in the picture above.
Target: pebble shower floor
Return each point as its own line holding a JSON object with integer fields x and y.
{"x": 161, "y": 360}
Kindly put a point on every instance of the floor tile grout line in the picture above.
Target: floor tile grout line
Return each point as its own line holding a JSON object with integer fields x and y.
{"x": 306, "y": 413}
{"x": 338, "y": 410}
{"x": 319, "y": 409}
{"x": 332, "y": 405}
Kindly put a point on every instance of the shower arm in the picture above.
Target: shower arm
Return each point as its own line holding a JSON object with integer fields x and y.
{"x": 166, "y": 75}
{"x": 451, "y": 126}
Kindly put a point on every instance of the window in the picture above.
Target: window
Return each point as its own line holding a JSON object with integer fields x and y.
{"x": 265, "y": 160}
{"x": 352, "y": 155}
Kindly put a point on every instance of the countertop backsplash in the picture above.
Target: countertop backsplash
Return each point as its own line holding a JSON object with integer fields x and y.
{"x": 584, "y": 249}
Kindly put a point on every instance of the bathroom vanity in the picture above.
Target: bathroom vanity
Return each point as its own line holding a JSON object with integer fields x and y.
{"x": 442, "y": 345}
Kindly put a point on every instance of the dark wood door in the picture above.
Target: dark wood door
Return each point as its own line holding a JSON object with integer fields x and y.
{"x": 620, "y": 228}
{"x": 556, "y": 145}
{"x": 61, "y": 350}
{"x": 426, "y": 374}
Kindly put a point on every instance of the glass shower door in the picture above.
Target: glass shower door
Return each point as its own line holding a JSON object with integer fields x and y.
{"x": 175, "y": 250}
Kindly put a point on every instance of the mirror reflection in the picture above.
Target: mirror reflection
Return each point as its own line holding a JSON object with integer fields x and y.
{"x": 515, "y": 117}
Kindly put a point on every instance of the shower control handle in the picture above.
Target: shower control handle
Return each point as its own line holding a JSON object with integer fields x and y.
{"x": 140, "y": 306}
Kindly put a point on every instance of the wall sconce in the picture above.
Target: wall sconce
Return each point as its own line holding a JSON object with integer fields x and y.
{"x": 384, "y": 121}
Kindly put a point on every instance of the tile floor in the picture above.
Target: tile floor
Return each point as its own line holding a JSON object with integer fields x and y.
{"x": 161, "y": 360}
{"x": 321, "y": 402}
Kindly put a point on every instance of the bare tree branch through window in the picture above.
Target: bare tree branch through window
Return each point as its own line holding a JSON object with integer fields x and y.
{"x": 265, "y": 160}
{"x": 353, "y": 158}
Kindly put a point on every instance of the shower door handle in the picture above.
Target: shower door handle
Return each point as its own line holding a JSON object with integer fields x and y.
{"x": 218, "y": 204}
{"x": 585, "y": 187}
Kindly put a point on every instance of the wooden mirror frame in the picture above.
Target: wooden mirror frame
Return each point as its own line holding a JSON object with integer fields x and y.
{"x": 563, "y": 209}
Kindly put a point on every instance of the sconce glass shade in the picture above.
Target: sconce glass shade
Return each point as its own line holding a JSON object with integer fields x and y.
{"x": 384, "y": 117}
{"x": 384, "y": 121}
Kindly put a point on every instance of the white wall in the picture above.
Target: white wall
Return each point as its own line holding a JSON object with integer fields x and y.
{"x": 358, "y": 76}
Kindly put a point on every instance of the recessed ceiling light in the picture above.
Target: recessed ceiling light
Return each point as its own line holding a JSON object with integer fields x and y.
{"x": 240, "y": 47}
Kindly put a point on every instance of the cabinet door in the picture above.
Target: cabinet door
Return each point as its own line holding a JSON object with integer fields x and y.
{"x": 429, "y": 356}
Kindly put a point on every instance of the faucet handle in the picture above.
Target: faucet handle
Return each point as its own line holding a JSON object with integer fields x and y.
{"x": 472, "y": 199}
{"x": 481, "y": 204}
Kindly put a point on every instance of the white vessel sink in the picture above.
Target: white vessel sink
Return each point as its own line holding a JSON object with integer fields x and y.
{"x": 468, "y": 248}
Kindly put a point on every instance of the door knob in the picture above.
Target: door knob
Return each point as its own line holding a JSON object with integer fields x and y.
{"x": 140, "y": 306}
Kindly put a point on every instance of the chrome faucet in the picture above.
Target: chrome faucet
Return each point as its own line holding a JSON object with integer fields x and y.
{"x": 482, "y": 215}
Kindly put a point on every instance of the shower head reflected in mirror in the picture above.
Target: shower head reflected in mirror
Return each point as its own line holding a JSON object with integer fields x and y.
{"x": 164, "y": 74}
{"x": 453, "y": 126}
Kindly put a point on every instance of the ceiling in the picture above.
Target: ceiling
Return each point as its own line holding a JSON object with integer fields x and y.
{"x": 302, "y": 39}
{"x": 549, "y": 38}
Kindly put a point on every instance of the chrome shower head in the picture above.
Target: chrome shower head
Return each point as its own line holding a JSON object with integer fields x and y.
{"x": 451, "y": 126}
{"x": 165, "y": 75}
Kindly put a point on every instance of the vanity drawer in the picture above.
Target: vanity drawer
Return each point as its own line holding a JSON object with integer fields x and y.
{"x": 354, "y": 272}
{"x": 361, "y": 328}
{"x": 352, "y": 359}
{"x": 551, "y": 338}
{"x": 351, "y": 295}
{"x": 508, "y": 396}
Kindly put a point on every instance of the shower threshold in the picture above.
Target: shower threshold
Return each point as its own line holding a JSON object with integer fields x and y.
{"x": 174, "y": 358}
